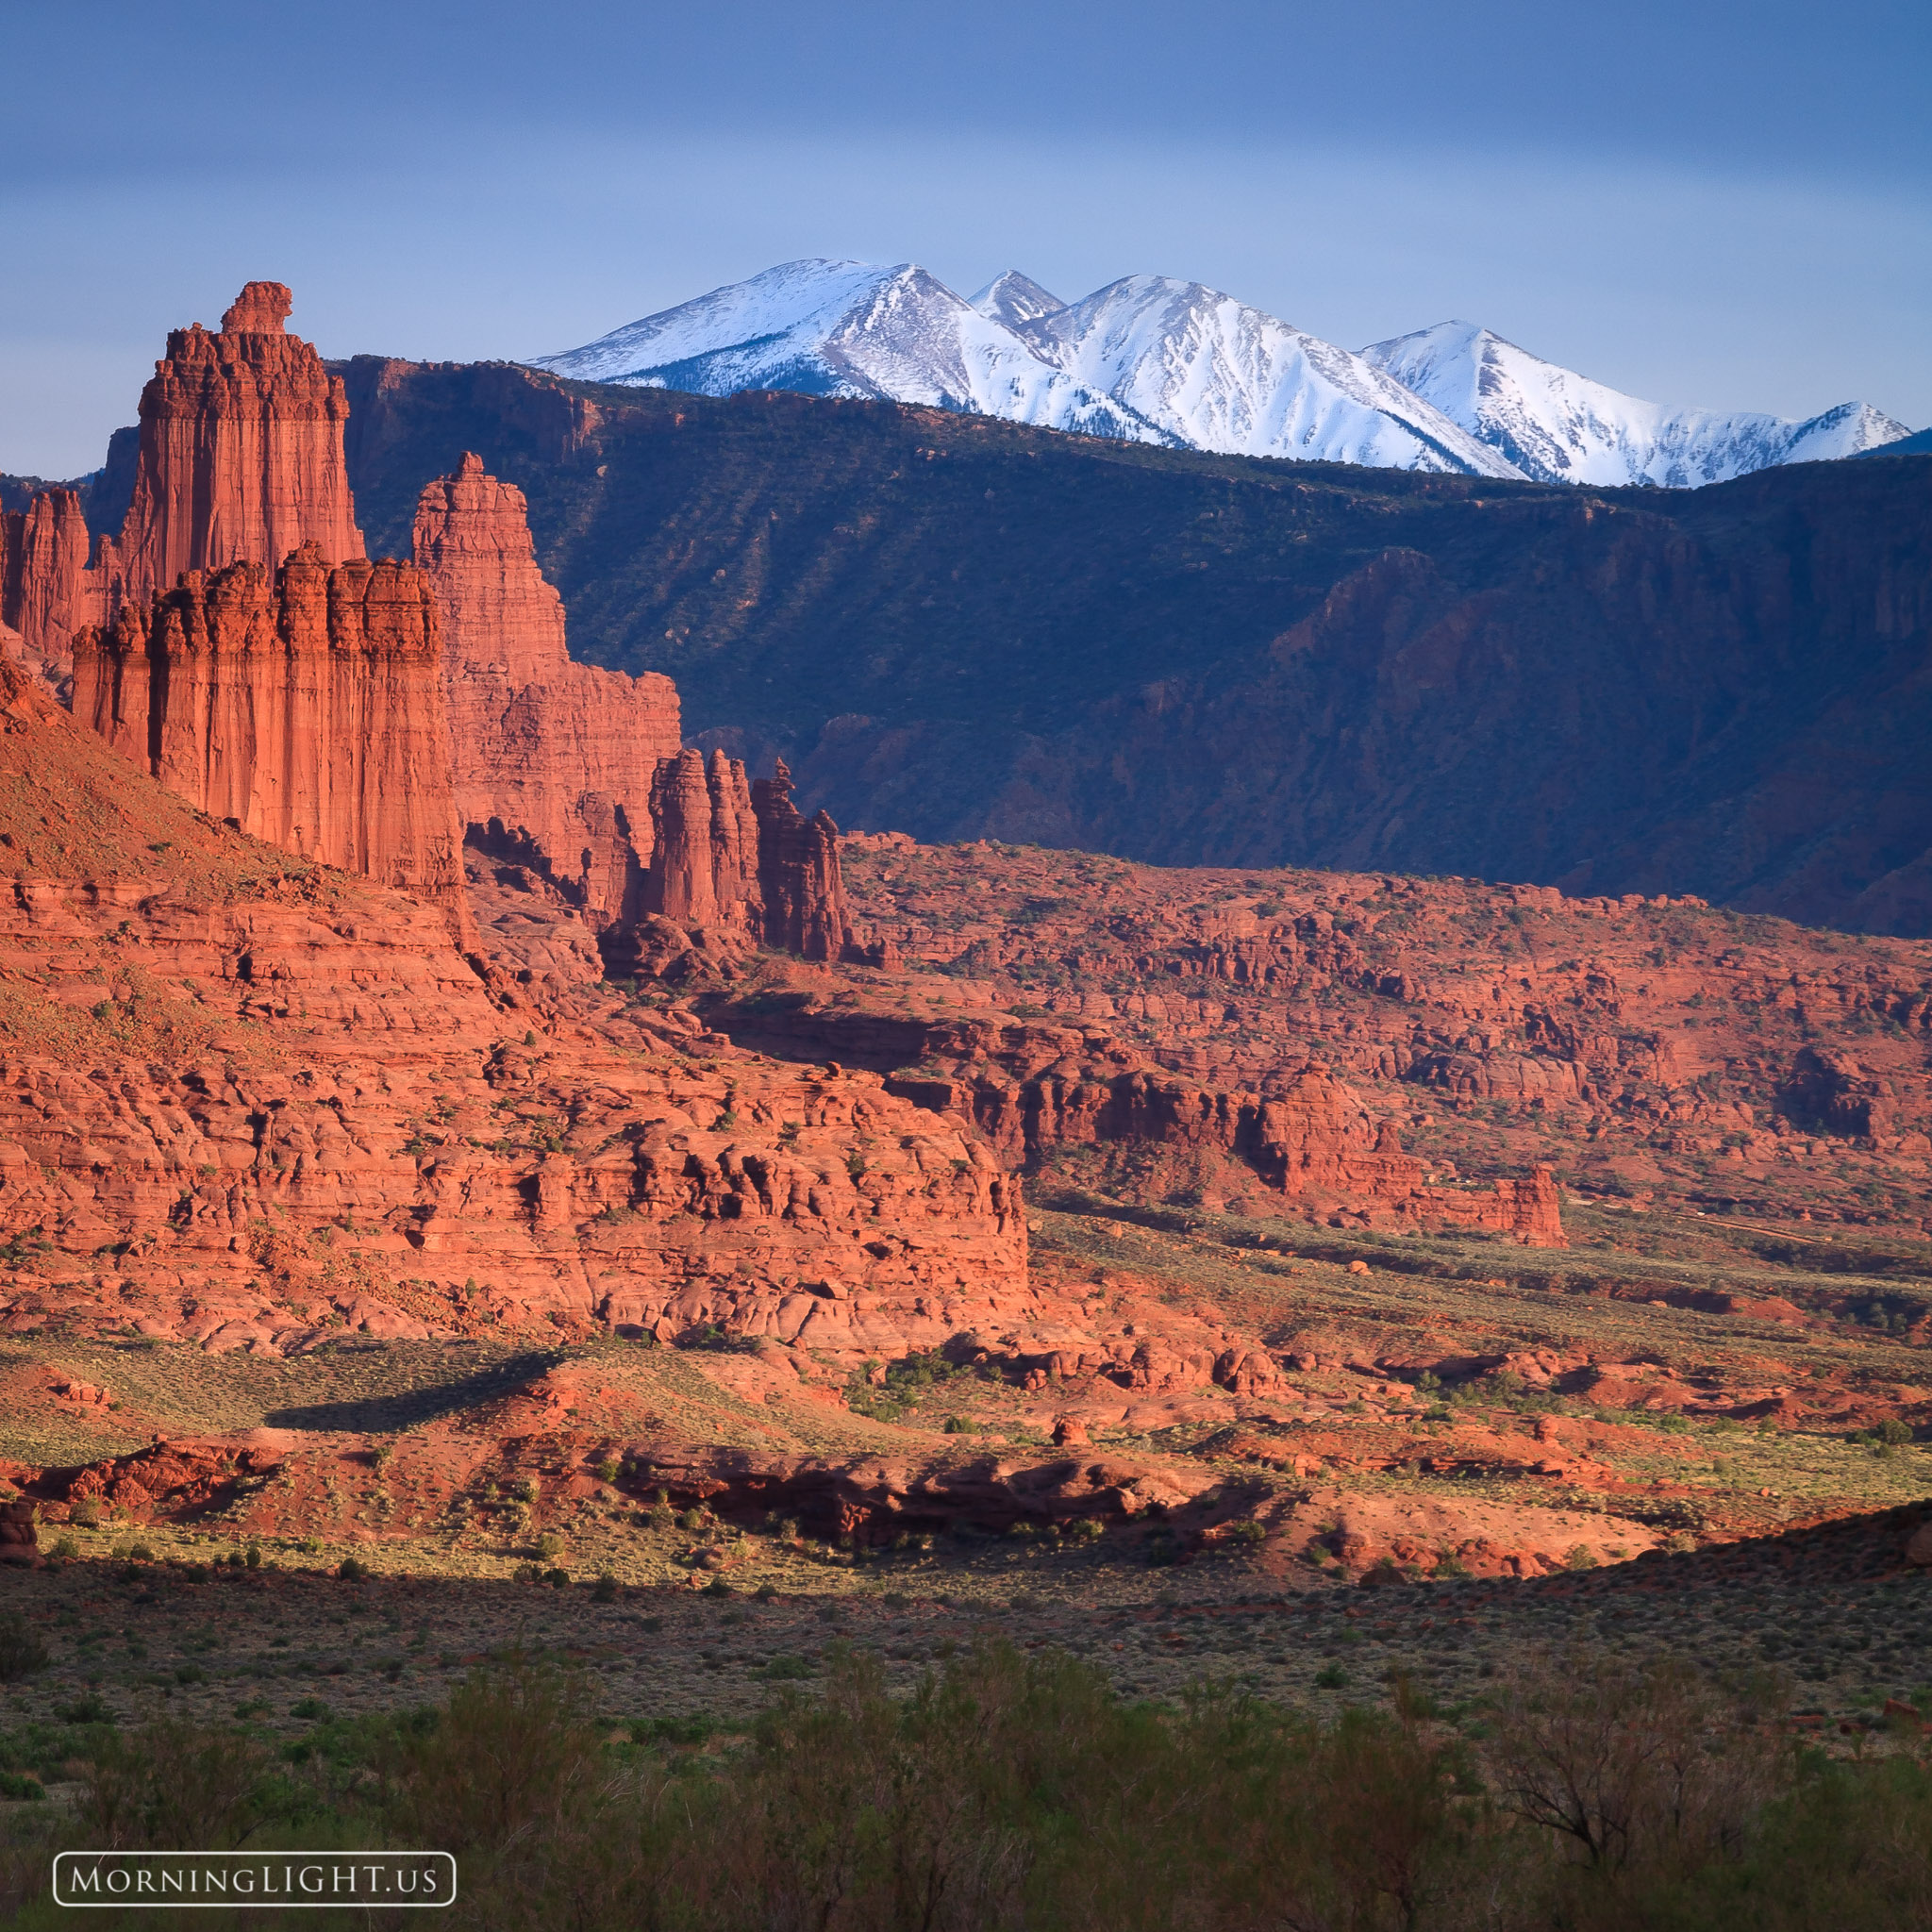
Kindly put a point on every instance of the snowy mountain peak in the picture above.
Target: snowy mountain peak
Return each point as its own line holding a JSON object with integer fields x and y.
{"x": 1016, "y": 300}
{"x": 1558, "y": 427}
{"x": 1152, "y": 359}
{"x": 848, "y": 328}
{"x": 1218, "y": 374}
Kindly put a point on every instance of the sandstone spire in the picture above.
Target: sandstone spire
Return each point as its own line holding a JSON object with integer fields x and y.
{"x": 798, "y": 873}
{"x": 240, "y": 456}
{"x": 705, "y": 844}
{"x": 554, "y": 760}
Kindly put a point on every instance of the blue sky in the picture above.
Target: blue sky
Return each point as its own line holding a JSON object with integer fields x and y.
{"x": 1718, "y": 204}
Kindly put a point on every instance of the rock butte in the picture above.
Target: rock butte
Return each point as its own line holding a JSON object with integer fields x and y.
{"x": 239, "y": 460}
{"x": 332, "y": 713}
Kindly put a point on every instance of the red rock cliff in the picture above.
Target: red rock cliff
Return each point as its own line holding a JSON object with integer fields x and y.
{"x": 240, "y": 456}
{"x": 44, "y": 590}
{"x": 307, "y": 708}
{"x": 555, "y": 762}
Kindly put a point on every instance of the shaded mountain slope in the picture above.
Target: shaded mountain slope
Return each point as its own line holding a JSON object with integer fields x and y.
{"x": 960, "y": 628}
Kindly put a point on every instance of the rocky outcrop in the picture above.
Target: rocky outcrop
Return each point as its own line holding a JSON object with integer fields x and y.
{"x": 44, "y": 594}
{"x": 307, "y": 710}
{"x": 1830, "y": 1090}
{"x": 799, "y": 878}
{"x": 555, "y": 762}
{"x": 1311, "y": 1139}
{"x": 240, "y": 456}
{"x": 1305, "y": 1144}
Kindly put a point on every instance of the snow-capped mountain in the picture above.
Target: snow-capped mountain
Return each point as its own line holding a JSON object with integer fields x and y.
{"x": 1217, "y": 375}
{"x": 1208, "y": 372}
{"x": 1558, "y": 427}
{"x": 1150, "y": 360}
{"x": 849, "y": 328}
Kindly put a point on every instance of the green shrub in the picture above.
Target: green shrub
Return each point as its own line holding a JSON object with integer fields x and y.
{"x": 786, "y": 1670}
{"x": 23, "y": 1652}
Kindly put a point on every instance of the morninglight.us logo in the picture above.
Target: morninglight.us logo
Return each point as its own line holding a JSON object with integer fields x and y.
{"x": 255, "y": 1880}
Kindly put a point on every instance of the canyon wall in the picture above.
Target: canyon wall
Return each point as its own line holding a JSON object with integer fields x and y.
{"x": 555, "y": 762}
{"x": 306, "y": 708}
{"x": 240, "y": 456}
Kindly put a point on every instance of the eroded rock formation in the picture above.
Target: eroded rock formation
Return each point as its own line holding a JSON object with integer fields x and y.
{"x": 799, "y": 878}
{"x": 1641, "y": 1047}
{"x": 307, "y": 710}
{"x": 44, "y": 594}
{"x": 256, "y": 1100}
{"x": 1304, "y": 1143}
{"x": 555, "y": 761}
{"x": 240, "y": 456}
{"x": 705, "y": 860}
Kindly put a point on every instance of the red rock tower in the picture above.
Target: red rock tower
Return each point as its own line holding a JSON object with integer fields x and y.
{"x": 240, "y": 456}
{"x": 705, "y": 844}
{"x": 554, "y": 760}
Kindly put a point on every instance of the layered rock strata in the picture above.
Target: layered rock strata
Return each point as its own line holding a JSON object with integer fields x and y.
{"x": 555, "y": 761}
{"x": 307, "y": 710}
{"x": 240, "y": 456}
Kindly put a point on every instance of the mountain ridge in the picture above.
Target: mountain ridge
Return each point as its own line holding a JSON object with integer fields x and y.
{"x": 1558, "y": 427}
{"x": 1150, "y": 359}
